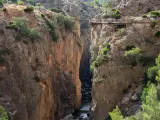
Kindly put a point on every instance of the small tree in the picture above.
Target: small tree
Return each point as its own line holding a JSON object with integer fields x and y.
{"x": 1, "y": 3}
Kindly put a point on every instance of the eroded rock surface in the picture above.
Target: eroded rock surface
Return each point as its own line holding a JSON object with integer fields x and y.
{"x": 115, "y": 73}
{"x": 137, "y": 7}
{"x": 39, "y": 79}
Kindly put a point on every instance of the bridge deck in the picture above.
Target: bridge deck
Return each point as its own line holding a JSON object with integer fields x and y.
{"x": 103, "y": 21}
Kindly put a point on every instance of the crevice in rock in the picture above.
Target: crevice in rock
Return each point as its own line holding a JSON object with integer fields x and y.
{"x": 85, "y": 76}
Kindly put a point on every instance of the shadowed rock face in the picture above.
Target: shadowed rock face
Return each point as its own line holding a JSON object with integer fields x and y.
{"x": 39, "y": 79}
{"x": 116, "y": 74}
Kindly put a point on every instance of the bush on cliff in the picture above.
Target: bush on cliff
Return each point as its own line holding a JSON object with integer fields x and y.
{"x": 3, "y": 114}
{"x": 133, "y": 55}
{"x": 29, "y": 9}
{"x": 66, "y": 21}
{"x": 150, "y": 107}
{"x": 157, "y": 34}
{"x": 19, "y": 2}
{"x": 150, "y": 99}
{"x": 116, "y": 13}
{"x": 57, "y": 10}
{"x": 20, "y": 25}
{"x": 1, "y": 3}
{"x": 154, "y": 14}
{"x": 121, "y": 32}
{"x": 51, "y": 28}
{"x": 133, "y": 52}
{"x": 106, "y": 48}
{"x": 69, "y": 23}
{"x": 111, "y": 13}
{"x": 102, "y": 57}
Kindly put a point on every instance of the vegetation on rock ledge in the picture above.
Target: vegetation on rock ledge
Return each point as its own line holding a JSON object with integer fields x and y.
{"x": 102, "y": 57}
{"x": 52, "y": 28}
{"x": 20, "y": 25}
{"x": 150, "y": 98}
{"x": 29, "y": 9}
{"x": 3, "y": 114}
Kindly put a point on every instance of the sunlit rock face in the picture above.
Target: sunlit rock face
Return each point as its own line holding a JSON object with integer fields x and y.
{"x": 137, "y": 7}
{"x": 116, "y": 73}
{"x": 39, "y": 79}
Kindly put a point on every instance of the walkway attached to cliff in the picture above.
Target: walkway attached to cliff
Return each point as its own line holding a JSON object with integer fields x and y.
{"x": 105, "y": 21}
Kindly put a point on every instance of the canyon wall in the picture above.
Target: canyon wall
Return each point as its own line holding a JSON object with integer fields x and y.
{"x": 39, "y": 78}
{"x": 113, "y": 72}
{"x": 137, "y": 7}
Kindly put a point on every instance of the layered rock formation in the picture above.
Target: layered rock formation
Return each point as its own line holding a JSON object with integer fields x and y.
{"x": 39, "y": 79}
{"x": 137, "y": 7}
{"x": 114, "y": 73}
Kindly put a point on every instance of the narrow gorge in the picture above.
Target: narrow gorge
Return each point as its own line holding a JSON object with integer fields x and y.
{"x": 79, "y": 60}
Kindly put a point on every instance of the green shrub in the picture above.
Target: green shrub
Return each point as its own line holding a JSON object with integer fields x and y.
{"x": 116, "y": 114}
{"x": 60, "y": 20}
{"x": 99, "y": 60}
{"x": 3, "y": 114}
{"x": 20, "y": 2}
{"x": 29, "y": 9}
{"x": 134, "y": 56}
{"x": 52, "y": 28}
{"x": 157, "y": 34}
{"x": 66, "y": 21}
{"x": 34, "y": 34}
{"x": 116, "y": 13}
{"x": 152, "y": 72}
{"x": 158, "y": 76}
{"x": 153, "y": 23}
{"x": 150, "y": 107}
{"x": 144, "y": 16}
{"x": 121, "y": 32}
{"x": 57, "y": 10}
{"x": 112, "y": 13}
{"x": 20, "y": 25}
{"x": 69, "y": 23}
{"x": 154, "y": 14}
{"x": 1, "y": 3}
{"x": 106, "y": 49}
{"x": 150, "y": 99}
{"x": 132, "y": 52}
{"x": 102, "y": 57}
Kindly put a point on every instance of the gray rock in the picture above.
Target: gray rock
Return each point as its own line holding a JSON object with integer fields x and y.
{"x": 68, "y": 117}
{"x": 135, "y": 97}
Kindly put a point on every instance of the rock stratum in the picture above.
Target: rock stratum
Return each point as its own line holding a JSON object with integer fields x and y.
{"x": 39, "y": 79}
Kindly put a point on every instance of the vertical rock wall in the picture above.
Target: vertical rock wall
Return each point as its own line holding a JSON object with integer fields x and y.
{"x": 39, "y": 79}
{"x": 116, "y": 74}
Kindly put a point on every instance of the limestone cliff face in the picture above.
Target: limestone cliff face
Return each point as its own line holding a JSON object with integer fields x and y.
{"x": 137, "y": 7}
{"x": 51, "y": 3}
{"x": 115, "y": 73}
{"x": 39, "y": 79}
